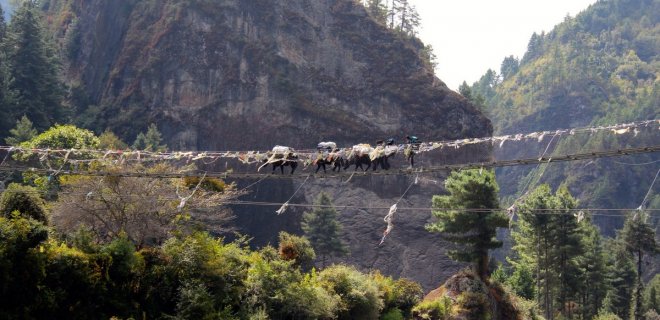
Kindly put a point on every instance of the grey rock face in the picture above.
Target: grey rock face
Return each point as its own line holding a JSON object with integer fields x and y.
{"x": 249, "y": 74}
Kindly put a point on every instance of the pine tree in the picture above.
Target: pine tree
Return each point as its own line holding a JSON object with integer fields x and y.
{"x": 466, "y": 218}
{"x": 151, "y": 141}
{"x": 24, "y": 131}
{"x": 509, "y": 67}
{"x": 377, "y": 10}
{"x": 323, "y": 230}
{"x": 568, "y": 246}
{"x": 594, "y": 285}
{"x": 533, "y": 243}
{"x": 548, "y": 238}
{"x": 3, "y": 24}
{"x": 33, "y": 67}
{"x": 622, "y": 277}
{"x": 639, "y": 238}
{"x": 6, "y": 94}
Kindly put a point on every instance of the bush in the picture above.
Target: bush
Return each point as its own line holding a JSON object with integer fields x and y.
{"x": 607, "y": 316}
{"x": 407, "y": 294}
{"x": 392, "y": 314}
{"x": 439, "y": 309}
{"x": 25, "y": 200}
{"x": 22, "y": 266}
{"x": 296, "y": 249}
{"x": 64, "y": 137}
{"x": 360, "y": 296}
{"x": 222, "y": 267}
{"x": 474, "y": 305}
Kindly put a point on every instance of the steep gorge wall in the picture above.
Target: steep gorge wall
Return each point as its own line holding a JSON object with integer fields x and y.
{"x": 249, "y": 74}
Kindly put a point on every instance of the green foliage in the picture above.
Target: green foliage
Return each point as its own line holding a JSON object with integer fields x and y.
{"x": 63, "y": 137}
{"x": 191, "y": 277}
{"x": 639, "y": 238}
{"x": 593, "y": 265}
{"x": 652, "y": 294}
{"x": 607, "y": 316}
{"x": 377, "y": 9}
{"x": 599, "y": 68}
{"x": 22, "y": 132}
{"x": 548, "y": 240}
{"x": 474, "y": 305}
{"x": 109, "y": 141}
{"x": 406, "y": 295}
{"x": 520, "y": 281}
{"x": 618, "y": 299}
{"x": 196, "y": 302}
{"x": 220, "y": 266}
{"x": 33, "y": 68}
{"x": 323, "y": 230}
{"x": 359, "y": 294}
{"x": 438, "y": 309}
{"x": 21, "y": 265}
{"x": 25, "y": 200}
{"x": 392, "y": 314}
{"x": 151, "y": 141}
{"x": 296, "y": 249}
{"x": 510, "y": 66}
{"x": 464, "y": 217}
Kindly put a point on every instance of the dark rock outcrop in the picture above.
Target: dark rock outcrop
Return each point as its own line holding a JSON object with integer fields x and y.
{"x": 249, "y": 74}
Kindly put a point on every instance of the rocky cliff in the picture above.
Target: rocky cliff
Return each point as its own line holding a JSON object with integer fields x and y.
{"x": 249, "y": 74}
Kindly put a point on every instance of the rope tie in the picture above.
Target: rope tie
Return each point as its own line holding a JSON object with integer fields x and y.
{"x": 389, "y": 218}
{"x": 283, "y": 208}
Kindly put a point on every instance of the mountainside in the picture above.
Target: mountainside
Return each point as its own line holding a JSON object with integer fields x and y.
{"x": 600, "y": 68}
{"x": 269, "y": 71}
{"x": 250, "y": 74}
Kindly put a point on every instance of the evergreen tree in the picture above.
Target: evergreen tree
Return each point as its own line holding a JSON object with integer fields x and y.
{"x": 485, "y": 87}
{"x": 651, "y": 299}
{"x": 394, "y": 8}
{"x": 468, "y": 217}
{"x": 6, "y": 94}
{"x": 534, "y": 47}
{"x": 22, "y": 132}
{"x": 532, "y": 240}
{"x": 594, "y": 284}
{"x": 323, "y": 230}
{"x": 3, "y": 24}
{"x": 34, "y": 68}
{"x": 465, "y": 90}
{"x": 639, "y": 238}
{"x": 568, "y": 246}
{"x": 548, "y": 238}
{"x": 151, "y": 141}
{"x": 377, "y": 10}
{"x": 509, "y": 67}
{"x": 109, "y": 141}
{"x": 622, "y": 277}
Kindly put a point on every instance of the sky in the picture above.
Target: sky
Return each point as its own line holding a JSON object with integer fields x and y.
{"x": 471, "y": 36}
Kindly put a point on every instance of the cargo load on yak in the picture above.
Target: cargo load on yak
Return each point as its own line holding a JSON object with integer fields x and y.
{"x": 360, "y": 150}
{"x": 281, "y": 156}
{"x": 282, "y": 150}
{"x": 327, "y": 146}
{"x": 383, "y": 151}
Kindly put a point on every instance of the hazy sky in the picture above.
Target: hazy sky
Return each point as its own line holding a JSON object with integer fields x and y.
{"x": 470, "y": 36}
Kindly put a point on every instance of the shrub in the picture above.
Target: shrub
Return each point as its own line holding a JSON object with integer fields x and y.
{"x": 392, "y": 314}
{"x": 474, "y": 305}
{"x": 25, "y": 200}
{"x": 360, "y": 297}
{"x": 296, "y": 249}
{"x": 439, "y": 309}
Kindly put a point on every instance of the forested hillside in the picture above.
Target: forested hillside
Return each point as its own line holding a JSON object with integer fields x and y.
{"x": 99, "y": 218}
{"x": 599, "y": 68}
